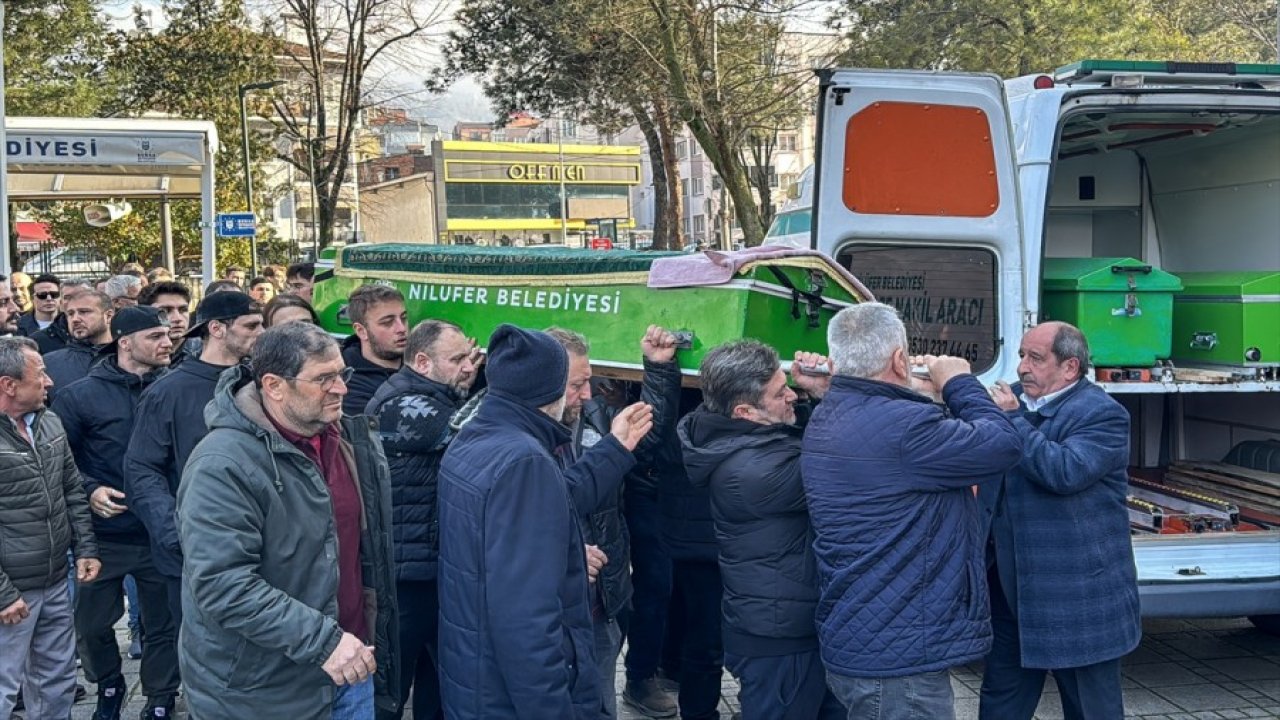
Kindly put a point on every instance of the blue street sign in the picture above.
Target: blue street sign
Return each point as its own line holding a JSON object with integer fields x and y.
{"x": 240, "y": 224}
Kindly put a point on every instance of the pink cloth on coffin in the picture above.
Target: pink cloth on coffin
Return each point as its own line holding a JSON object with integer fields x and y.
{"x": 716, "y": 267}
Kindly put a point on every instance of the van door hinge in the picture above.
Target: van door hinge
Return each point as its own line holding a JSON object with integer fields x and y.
{"x": 1030, "y": 319}
{"x": 840, "y": 92}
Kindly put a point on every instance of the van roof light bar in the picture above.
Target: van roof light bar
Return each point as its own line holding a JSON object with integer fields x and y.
{"x": 1122, "y": 73}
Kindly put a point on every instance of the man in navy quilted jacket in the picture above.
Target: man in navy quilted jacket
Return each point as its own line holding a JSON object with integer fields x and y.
{"x": 1064, "y": 591}
{"x": 888, "y": 476}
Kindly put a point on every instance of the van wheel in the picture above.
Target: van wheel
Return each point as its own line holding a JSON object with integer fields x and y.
{"x": 1269, "y": 624}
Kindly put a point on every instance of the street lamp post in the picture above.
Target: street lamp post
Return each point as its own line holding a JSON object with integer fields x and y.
{"x": 248, "y": 174}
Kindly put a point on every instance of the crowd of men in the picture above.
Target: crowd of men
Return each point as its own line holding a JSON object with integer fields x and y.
{"x": 326, "y": 530}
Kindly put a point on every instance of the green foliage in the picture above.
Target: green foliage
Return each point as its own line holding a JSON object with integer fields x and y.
{"x": 54, "y": 54}
{"x": 1017, "y": 37}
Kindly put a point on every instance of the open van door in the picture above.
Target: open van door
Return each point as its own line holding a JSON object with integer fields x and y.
{"x": 916, "y": 192}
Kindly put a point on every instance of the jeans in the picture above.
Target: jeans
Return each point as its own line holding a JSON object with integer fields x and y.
{"x": 100, "y": 604}
{"x": 926, "y": 696}
{"x": 784, "y": 687}
{"x": 608, "y": 645}
{"x": 135, "y": 607}
{"x": 1012, "y": 692}
{"x": 354, "y": 702}
{"x": 701, "y": 656}
{"x": 419, "y": 608}
{"x": 651, "y": 579}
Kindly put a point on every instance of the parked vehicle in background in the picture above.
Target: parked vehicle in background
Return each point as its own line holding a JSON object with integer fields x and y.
{"x": 68, "y": 263}
{"x": 792, "y": 225}
{"x": 979, "y": 207}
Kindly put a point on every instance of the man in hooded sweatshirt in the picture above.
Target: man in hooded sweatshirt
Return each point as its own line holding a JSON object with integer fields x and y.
{"x": 516, "y": 635}
{"x": 98, "y": 414}
{"x": 744, "y": 444}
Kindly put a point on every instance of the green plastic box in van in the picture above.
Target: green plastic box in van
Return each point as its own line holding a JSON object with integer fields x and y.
{"x": 1228, "y": 318}
{"x": 1123, "y": 306}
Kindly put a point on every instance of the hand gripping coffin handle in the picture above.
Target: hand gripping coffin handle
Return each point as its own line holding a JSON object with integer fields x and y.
{"x": 1130, "y": 308}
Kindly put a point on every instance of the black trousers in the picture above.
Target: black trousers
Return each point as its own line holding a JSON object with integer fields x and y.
{"x": 419, "y": 609}
{"x": 651, "y": 578}
{"x": 701, "y": 655}
{"x": 99, "y": 606}
{"x": 1012, "y": 692}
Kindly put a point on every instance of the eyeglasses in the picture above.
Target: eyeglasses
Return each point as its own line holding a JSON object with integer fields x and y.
{"x": 326, "y": 381}
{"x": 49, "y": 295}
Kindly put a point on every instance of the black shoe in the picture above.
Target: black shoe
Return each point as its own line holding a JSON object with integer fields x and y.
{"x": 80, "y": 693}
{"x": 646, "y": 698}
{"x": 155, "y": 712}
{"x": 19, "y": 704}
{"x": 110, "y": 702}
{"x": 135, "y": 644}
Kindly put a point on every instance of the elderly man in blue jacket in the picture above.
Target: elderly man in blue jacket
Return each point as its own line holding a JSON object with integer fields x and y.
{"x": 1064, "y": 591}
{"x": 888, "y": 478}
{"x": 516, "y": 638}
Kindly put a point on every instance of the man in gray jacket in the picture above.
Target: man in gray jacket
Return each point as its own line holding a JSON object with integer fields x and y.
{"x": 43, "y": 513}
{"x": 288, "y": 595}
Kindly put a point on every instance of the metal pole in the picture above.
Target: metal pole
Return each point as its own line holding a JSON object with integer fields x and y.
{"x": 166, "y": 235}
{"x": 564, "y": 199}
{"x": 6, "y": 262}
{"x": 248, "y": 179}
{"x": 311, "y": 180}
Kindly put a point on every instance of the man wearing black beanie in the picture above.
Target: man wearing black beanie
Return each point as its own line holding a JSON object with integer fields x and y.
{"x": 515, "y": 620}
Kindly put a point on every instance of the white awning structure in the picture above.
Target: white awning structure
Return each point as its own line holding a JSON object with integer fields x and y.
{"x": 101, "y": 158}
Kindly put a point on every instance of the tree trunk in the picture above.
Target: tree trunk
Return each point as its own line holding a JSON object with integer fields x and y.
{"x": 658, "y": 171}
{"x": 675, "y": 201}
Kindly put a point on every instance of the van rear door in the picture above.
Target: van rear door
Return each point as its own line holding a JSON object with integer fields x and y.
{"x": 916, "y": 192}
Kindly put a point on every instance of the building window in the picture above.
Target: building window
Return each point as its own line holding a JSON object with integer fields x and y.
{"x": 787, "y": 142}
{"x": 699, "y": 224}
{"x": 694, "y": 149}
{"x": 682, "y": 150}
{"x": 684, "y": 187}
{"x": 518, "y": 201}
{"x": 755, "y": 172}
{"x": 391, "y": 173}
{"x": 696, "y": 185}
{"x": 786, "y": 180}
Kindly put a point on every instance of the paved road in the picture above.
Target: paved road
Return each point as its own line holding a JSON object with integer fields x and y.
{"x": 1184, "y": 670}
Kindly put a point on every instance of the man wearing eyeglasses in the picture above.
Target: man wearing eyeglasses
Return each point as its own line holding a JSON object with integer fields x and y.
{"x": 283, "y": 515}
{"x": 45, "y": 294}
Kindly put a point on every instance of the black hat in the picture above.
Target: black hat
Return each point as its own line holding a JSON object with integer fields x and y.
{"x": 130, "y": 320}
{"x": 527, "y": 366}
{"x": 226, "y": 305}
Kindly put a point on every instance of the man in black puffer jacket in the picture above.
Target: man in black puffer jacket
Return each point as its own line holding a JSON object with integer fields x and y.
{"x": 600, "y": 517}
{"x": 98, "y": 415}
{"x": 412, "y": 409}
{"x": 743, "y": 444}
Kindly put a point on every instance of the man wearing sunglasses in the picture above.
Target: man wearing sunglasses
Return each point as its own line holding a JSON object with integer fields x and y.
{"x": 284, "y": 510}
{"x": 45, "y": 293}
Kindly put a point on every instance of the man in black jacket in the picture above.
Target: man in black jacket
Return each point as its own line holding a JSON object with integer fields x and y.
{"x": 603, "y": 528}
{"x": 170, "y": 422}
{"x": 45, "y": 293}
{"x": 376, "y": 350}
{"x": 174, "y": 299}
{"x": 9, "y": 311}
{"x": 412, "y": 409}
{"x": 744, "y": 445}
{"x": 43, "y": 514}
{"x": 88, "y": 314}
{"x": 98, "y": 415}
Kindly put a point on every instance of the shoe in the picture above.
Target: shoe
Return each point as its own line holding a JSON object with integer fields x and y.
{"x": 110, "y": 702}
{"x": 152, "y": 712}
{"x": 19, "y": 705}
{"x": 648, "y": 699}
{"x": 80, "y": 693}
{"x": 135, "y": 644}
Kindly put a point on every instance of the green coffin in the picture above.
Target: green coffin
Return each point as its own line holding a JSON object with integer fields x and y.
{"x": 785, "y": 302}
{"x": 1123, "y": 306}
{"x": 1228, "y": 318}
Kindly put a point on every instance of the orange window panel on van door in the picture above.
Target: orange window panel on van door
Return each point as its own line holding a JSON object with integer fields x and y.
{"x": 915, "y": 159}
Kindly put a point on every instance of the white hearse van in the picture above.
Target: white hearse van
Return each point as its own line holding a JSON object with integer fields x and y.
{"x": 953, "y": 196}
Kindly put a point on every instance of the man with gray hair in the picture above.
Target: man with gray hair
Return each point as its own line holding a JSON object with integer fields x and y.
{"x": 744, "y": 444}
{"x": 888, "y": 476}
{"x": 123, "y": 290}
{"x": 43, "y": 513}
{"x": 1047, "y": 569}
{"x": 288, "y": 596}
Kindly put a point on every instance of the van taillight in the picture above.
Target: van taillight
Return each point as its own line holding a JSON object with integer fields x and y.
{"x": 1043, "y": 82}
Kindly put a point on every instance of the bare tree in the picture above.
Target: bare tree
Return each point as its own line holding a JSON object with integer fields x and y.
{"x": 341, "y": 57}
